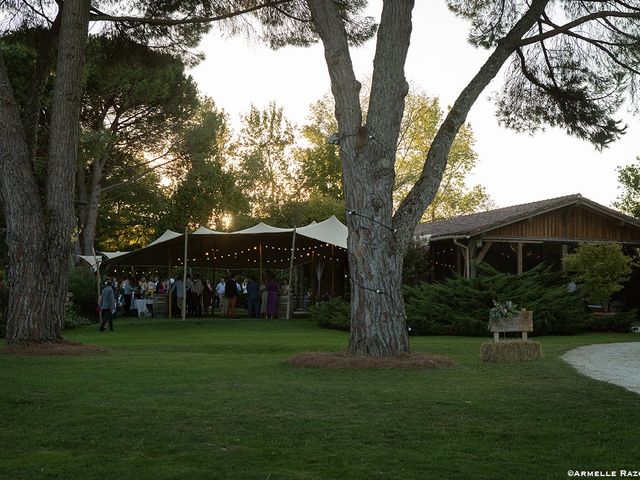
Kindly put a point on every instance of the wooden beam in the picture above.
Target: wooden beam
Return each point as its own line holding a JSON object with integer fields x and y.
{"x": 519, "y": 257}
{"x": 483, "y": 251}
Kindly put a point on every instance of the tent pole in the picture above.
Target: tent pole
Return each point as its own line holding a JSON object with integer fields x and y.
{"x": 333, "y": 293}
{"x": 293, "y": 250}
{"x": 260, "y": 254}
{"x": 184, "y": 275}
{"x": 169, "y": 284}
{"x": 95, "y": 259}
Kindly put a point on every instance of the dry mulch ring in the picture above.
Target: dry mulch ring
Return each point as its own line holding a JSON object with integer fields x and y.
{"x": 345, "y": 360}
{"x": 59, "y": 348}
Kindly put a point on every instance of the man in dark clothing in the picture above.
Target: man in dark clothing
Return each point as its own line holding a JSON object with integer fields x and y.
{"x": 253, "y": 294}
{"x": 108, "y": 306}
{"x": 231, "y": 293}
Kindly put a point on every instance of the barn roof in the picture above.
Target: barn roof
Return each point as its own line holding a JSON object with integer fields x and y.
{"x": 479, "y": 223}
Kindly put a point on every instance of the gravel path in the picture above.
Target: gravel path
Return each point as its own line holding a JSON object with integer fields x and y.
{"x": 617, "y": 363}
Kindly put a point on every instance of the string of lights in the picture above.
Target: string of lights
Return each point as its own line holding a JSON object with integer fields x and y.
{"x": 356, "y": 214}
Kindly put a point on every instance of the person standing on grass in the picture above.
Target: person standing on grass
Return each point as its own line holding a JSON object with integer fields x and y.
{"x": 127, "y": 292}
{"x": 196, "y": 296}
{"x": 108, "y": 306}
{"x": 179, "y": 287}
{"x": 231, "y": 294}
{"x": 222, "y": 300}
{"x": 253, "y": 298}
{"x": 206, "y": 298}
{"x": 272, "y": 298}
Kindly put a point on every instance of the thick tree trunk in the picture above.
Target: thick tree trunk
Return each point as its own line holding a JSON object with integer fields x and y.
{"x": 378, "y": 240}
{"x": 63, "y": 151}
{"x": 39, "y": 238}
{"x": 25, "y": 229}
{"x": 378, "y": 319}
{"x": 39, "y": 80}
{"x": 93, "y": 202}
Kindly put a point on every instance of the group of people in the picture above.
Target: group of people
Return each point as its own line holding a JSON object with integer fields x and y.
{"x": 115, "y": 295}
{"x": 196, "y": 296}
{"x": 201, "y": 297}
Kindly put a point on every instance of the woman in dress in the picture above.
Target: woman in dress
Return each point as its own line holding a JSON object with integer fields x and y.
{"x": 272, "y": 298}
{"x": 264, "y": 297}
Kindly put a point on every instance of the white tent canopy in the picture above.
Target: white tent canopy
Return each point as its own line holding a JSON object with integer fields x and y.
{"x": 331, "y": 231}
{"x": 259, "y": 246}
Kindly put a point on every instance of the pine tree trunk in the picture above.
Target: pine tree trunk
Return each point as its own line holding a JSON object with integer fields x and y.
{"x": 378, "y": 318}
{"x": 25, "y": 229}
{"x": 91, "y": 218}
{"x": 39, "y": 238}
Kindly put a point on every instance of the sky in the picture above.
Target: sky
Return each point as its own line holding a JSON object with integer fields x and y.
{"x": 513, "y": 167}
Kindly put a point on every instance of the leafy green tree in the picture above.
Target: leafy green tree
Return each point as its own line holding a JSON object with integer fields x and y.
{"x": 297, "y": 213}
{"x": 207, "y": 193}
{"x": 629, "y": 178}
{"x": 129, "y": 216}
{"x": 39, "y": 209}
{"x": 264, "y": 158}
{"x": 600, "y": 269}
{"x": 320, "y": 169}
{"x": 422, "y": 118}
{"x": 136, "y": 103}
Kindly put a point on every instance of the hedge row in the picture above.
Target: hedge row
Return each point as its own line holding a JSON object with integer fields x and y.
{"x": 461, "y": 307}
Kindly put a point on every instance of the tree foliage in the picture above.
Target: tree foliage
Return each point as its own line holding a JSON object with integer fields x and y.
{"x": 207, "y": 193}
{"x": 600, "y": 270}
{"x": 420, "y": 123}
{"x": 135, "y": 108}
{"x": 321, "y": 170}
{"x": 572, "y": 68}
{"x": 265, "y": 166}
{"x": 319, "y": 160}
{"x": 629, "y": 200}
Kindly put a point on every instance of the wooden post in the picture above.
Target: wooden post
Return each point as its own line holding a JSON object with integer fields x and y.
{"x": 260, "y": 255}
{"x": 565, "y": 252}
{"x": 293, "y": 251}
{"x": 95, "y": 259}
{"x": 169, "y": 284}
{"x": 519, "y": 258}
{"x": 333, "y": 294}
{"x": 485, "y": 248}
{"x": 184, "y": 276}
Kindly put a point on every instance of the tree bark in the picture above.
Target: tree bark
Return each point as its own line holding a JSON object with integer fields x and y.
{"x": 24, "y": 220}
{"x": 91, "y": 218}
{"x": 39, "y": 237}
{"x": 41, "y": 74}
{"x": 378, "y": 239}
{"x": 367, "y": 152}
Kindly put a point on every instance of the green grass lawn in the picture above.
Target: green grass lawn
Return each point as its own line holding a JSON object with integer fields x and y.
{"x": 215, "y": 400}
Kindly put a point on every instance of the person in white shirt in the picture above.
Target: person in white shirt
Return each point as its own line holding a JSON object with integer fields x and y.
{"x": 222, "y": 301}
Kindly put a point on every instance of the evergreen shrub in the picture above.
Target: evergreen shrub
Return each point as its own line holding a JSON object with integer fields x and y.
{"x": 612, "y": 322}
{"x": 461, "y": 307}
{"x": 333, "y": 313}
{"x": 82, "y": 284}
{"x": 74, "y": 320}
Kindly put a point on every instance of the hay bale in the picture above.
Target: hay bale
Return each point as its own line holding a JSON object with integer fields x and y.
{"x": 510, "y": 351}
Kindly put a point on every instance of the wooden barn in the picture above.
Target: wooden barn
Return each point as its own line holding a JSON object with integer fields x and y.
{"x": 515, "y": 239}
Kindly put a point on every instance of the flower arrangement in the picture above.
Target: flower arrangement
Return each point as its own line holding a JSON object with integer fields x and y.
{"x": 501, "y": 311}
